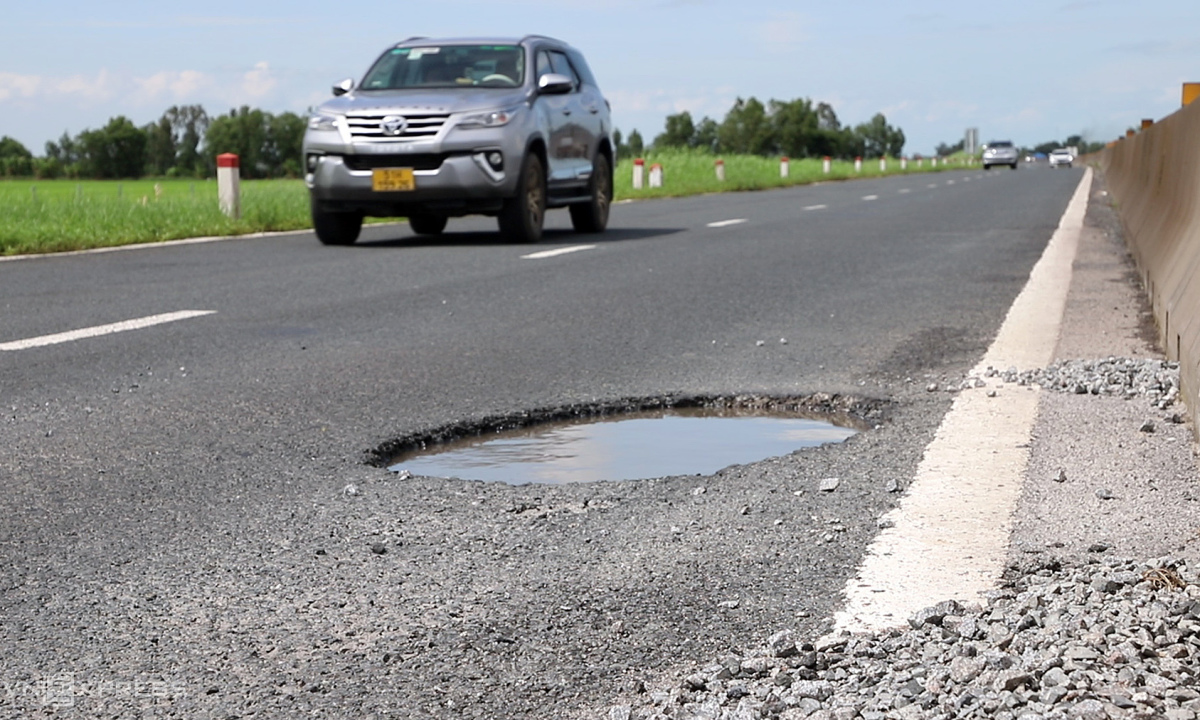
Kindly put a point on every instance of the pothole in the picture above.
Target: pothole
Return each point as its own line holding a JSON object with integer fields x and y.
{"x": 631, "y": 440}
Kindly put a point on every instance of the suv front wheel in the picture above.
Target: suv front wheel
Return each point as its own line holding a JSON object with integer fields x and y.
{"x": 592, "y": 217}
{"x": 336, "y": 228}
{"x": 522, "y": 216}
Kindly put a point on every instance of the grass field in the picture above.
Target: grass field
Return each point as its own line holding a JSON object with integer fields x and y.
{"x": 42, "y": 216}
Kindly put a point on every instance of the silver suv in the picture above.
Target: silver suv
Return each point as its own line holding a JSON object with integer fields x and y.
{"x": 1000, "y": 152}
{"x": 446, "y": 128}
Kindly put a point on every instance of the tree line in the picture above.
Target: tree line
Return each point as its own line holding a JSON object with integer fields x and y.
{"x": 795, "y": 128}
{"x": 184, "y": 142}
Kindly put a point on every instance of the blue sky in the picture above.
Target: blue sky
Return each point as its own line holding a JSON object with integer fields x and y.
{"x": 1030, "y": 71}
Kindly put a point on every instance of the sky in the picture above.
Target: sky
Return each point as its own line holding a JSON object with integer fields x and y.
{"x": 1030, "y": 71}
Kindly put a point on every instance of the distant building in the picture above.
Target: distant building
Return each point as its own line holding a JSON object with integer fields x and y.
{"x": 971, "y": 141}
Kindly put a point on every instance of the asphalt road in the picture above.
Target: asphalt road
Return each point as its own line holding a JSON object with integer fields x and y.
{"x": 173, "y": 508}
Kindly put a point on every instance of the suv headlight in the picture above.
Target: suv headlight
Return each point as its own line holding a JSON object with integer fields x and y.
{"x": 489, "y": 119}
{"x": 323, "y": 122}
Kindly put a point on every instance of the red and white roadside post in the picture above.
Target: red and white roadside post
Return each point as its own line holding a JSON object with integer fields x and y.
{"x": 904, "y": 162}
{"x": 857, "y": 164}
{"x": 656, "y": 175}
{"x": 720, "y": 166}
{"x": 883, "y": 164}
{"x": 828, "y": 164}
{"x": 639, "y": 173}
{"x": 785, "y": 168}
{"x": 229, "y": 191}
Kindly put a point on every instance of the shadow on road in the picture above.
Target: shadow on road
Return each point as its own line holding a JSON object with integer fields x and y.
{"x": 393, "y": 237}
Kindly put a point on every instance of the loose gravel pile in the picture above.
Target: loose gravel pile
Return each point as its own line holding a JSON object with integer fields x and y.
{"x": 1156, "y": 380}
{"x": 1111, "y": 639}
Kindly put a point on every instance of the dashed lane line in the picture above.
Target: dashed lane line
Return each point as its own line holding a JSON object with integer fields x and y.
{"x": 726, "y": 223}
{"x": 555, "y": 253}
{"x": 99, "y": 330}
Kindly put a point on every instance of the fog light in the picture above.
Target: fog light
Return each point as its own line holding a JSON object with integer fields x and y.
{"x": 311, "y": 162}
{"x": 496, "y": 160}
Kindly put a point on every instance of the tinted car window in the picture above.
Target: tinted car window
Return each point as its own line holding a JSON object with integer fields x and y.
{"x": 447, "y": 67}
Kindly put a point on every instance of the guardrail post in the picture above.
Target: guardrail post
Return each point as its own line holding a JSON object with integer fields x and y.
{"x": 656, "y": 175}
{"x": 229, "y": 185}
{"x": 639, "y": 172}
{"x": 720, "y": 165}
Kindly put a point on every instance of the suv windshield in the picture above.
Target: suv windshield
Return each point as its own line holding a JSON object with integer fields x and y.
{"x": 453, "y": 66}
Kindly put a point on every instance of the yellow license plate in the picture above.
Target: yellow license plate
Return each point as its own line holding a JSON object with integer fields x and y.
{"x": 393, "y": 180}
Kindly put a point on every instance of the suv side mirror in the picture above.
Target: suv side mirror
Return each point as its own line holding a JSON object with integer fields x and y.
{"x": 555, "y": 84}
{"x": 343, "y": 87}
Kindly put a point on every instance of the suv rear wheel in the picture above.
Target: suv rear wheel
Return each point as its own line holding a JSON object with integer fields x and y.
{"x": 423, "y": 224}
{"x": 522, "y": 216}
{"x": 334, "y": 228}
{"x": 592, "y": 217}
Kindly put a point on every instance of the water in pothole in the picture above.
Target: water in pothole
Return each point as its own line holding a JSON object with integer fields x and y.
{"x": 624, "y": 447}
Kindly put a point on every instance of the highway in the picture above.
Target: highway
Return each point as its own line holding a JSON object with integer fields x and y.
{"x": 181, "y": 426}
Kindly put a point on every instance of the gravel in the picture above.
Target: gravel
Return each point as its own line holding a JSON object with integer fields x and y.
{"x": 1111, "y": 639}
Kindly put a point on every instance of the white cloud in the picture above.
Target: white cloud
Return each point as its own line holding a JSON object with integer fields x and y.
{"x": 181, "y": 85}
{"x": 258, "y": 82}
{"x": 13, "y": 85}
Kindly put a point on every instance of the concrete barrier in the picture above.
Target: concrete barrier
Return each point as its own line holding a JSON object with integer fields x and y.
{"x": 1154, "y": 177}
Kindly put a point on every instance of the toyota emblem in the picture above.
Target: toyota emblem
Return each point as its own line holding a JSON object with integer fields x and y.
{"x": 393, "y": 125}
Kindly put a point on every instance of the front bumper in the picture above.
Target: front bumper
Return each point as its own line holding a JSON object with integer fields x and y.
{"x": 451, "y": 177}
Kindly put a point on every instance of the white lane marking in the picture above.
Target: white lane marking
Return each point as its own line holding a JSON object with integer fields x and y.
{"x": 726, "y": 223}
{"x": 949, "y": 537}
{"x": 555, "y": 253}
{"x": 870, "y": 197}
{"x": 904, "y": 191}
{"x": 949, "y": 182}
{"x": 966, "y": 179}
{"x": 98, "y": 330}
{"x": 932, "y": 185}
{"x": 815, "y": 207}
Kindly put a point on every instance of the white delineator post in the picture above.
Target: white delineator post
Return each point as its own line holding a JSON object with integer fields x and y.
{"x": 857, "y": 164}
{"x": 785, "y": 167}
{"x": 639, "y": 173}
{"x": 903, "y": 163}
{"x": 883, "y": 164}
{"x": 827, "y": 165}
{"x": 720, "y": 165}
{"x": 656, "y": 175}
{"x": 229, "y": 191}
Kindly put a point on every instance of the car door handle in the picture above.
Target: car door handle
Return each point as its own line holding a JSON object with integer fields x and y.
{"x": 593, "y": 109}
{"x": 566, "y": 112}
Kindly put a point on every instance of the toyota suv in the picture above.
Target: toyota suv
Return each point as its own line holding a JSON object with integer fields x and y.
{"x": 446, "y": 128}
{"x": 1000, "y": 152}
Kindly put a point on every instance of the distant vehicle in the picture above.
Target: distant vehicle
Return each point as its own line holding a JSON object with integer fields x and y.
{"x": 1000, "y": 152}
{"x": 445, "y": 128}
{"x": 1061, "y": 156}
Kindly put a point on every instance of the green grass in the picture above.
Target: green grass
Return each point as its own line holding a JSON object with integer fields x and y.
{"x": 38, "y": 216}
{"x": 44, "y": 216}
{"x": 693, "y": 172}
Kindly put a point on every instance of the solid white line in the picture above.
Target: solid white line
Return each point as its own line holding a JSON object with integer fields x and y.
{"x": 815, "y": 207}
{"x": 726, "y": 223}
{"x": 555, "y": 253}
{"x": 949, "y": 536}
{"x": 103, "y": 330}
{"x": 870, "y": 197}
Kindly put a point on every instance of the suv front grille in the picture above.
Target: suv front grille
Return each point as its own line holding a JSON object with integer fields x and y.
{"x": 416, "y": 161}
{"x": 417, "y": 125}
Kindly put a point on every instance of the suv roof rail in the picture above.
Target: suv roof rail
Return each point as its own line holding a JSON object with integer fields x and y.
{"x": 414, "y": 37}
{"x": 542, "y": 37}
